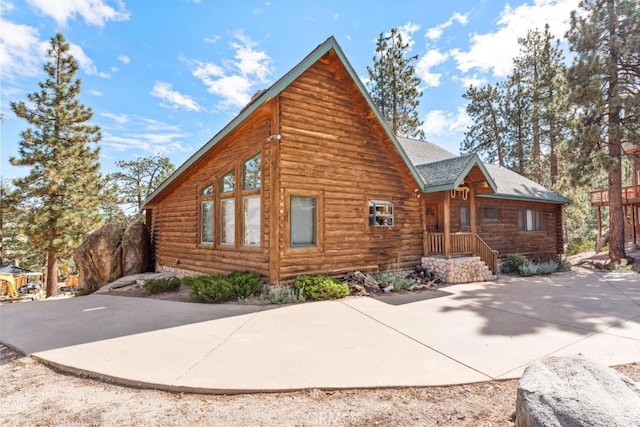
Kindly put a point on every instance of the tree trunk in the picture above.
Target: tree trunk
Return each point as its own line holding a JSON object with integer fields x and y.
{"x": 553, "y": 156}
{"x": 52, "y": 274}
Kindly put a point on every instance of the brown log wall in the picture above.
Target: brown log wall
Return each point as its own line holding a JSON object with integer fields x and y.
{"x": 175, "y": 226}
{"x": 332, "y": 147}
{"x": 503, "y": 234}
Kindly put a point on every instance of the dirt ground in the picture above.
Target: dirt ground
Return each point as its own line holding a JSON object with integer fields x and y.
{"x": 35, "y": 395}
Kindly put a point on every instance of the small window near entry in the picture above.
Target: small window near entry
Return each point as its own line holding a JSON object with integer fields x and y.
{"x": 490, "y": 213}
{"x": 227, "y": 221}
{"x": 530, "y": 220}
{"x": 465, "y": 216}
{"x": 303, "y": 221}
{"x": 381, "y": 214}
{"x": 251, "y": 220}
{"x": 251, "y": 173}
{"x": 228, "y": 182}
{"x": 206, "y": 214}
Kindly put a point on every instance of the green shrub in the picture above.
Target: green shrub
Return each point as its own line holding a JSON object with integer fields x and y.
{"x": 155, "y": 286}
{"x": 399, "y": 283}
{"x": 513, "y": 263}
{"x": 320, "y": 287}
{"x": 532, "y": 269}
{"x": 564, "y": 265}
{"x": 245, "y": 283}
{"x": 211, "y": 288}
{"x": 580, "y": 245}
{"x": 280, "y": 295}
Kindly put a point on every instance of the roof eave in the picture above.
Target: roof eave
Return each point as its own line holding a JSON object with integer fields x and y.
{"x": 524, "y": 198}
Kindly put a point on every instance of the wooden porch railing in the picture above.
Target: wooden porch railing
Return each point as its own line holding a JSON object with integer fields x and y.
{"x": 462, "y": 243}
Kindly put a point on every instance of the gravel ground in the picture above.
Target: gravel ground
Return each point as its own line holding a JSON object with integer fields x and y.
{"x": 35, "y": 395}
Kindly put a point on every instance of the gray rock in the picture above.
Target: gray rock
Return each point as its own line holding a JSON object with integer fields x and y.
{"x": 136, "y": 249}
{"x": 112, "y": 252}
{"x": 575, "y": 391}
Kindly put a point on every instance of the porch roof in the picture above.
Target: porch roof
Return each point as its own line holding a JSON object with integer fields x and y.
{"x": 449, "y": 173}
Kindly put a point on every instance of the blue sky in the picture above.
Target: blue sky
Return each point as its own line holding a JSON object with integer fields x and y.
{"x": 164, "y": 76}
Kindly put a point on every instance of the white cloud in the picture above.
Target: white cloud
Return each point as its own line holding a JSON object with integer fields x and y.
{"x": 173, "y": 99}
{"x": 120, "y": 119}
{"x": 211, "y": 40}
{"x": 85, "y": 62}
{"x": 22, "y": 54}
{"x": 6, "y": 6}
{"x": 144, "y": 134}
{"x": 124, "y": 59}
{"x": 406, "y": 31}
{"x": 493, "y": 52}
{"x": 439, "y": 123}
{"x": 434, "y": 33}
{"x": 474, "y": 80}
{"x": 94, "y": 12}
{"x": 234, "y": 80}
{"x": 432, "y": 58}
{"x": 94, "y": 92}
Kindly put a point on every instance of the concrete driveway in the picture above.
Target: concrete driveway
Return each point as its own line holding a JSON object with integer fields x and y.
{"x": 459, "y": 334}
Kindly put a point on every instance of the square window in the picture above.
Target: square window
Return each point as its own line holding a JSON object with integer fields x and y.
{"x": 490, "y": 213}
{"x": 530, "y": 220}
{"x": 303, "y": 221}
{"x": 381, "y": 214}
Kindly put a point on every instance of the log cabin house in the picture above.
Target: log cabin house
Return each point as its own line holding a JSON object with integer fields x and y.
{"x": 308, "y": 178}
{"x": 630, "y": 201}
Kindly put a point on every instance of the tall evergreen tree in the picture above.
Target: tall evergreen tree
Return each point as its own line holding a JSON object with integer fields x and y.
{"x": 140, "y": 177}
{"x": 486, "y": 135}
{"x": 394, "y": 85}
{"x": 61, "y": 191}
{"x": 604, "y": 83}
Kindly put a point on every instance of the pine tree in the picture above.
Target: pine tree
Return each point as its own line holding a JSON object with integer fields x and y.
{"x": 486, "y": 135}
{"x": 394, "y": 85}
{"x": 604, "y": 82}
{"x": 140, "y": 177}
{"x": 61, "y": 191}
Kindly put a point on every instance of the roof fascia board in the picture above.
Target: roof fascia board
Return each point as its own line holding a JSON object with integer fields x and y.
{"x": 522, "y": 198}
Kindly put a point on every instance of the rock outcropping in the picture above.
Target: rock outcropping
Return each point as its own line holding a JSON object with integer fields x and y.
{"x": 576, "y": 391}
{"x": 111, "y": 252}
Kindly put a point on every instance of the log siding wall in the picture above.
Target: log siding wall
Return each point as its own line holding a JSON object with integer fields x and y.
{"x": 503, "y": 234}
{"x": 333, "y": 146}
{"x": 175, "y": 218}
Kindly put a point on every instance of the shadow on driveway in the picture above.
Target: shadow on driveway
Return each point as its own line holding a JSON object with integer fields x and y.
{"x": 569, "y": 301}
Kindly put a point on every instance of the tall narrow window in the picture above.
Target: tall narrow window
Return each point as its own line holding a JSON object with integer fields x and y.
{"x": 251, "y": 173}
{"x": 251, "y": 181}
{"x": 303, "y": 221}
{"x": 251, "y": 220}
{"x": 465, "y": 216}
{"x": 227, "y": 221}
{"x": 206, "y": 215}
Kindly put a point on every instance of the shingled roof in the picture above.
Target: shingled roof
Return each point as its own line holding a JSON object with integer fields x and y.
{"x": 440, "y": 168}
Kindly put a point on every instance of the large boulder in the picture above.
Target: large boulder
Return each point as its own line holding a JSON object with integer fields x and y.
{"x": 576, "y": 391}
{"x": 110, "y": 252}
{"x": 136, "y": 249}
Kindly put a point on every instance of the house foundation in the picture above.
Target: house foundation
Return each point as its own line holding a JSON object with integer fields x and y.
{"x": 455, "y": 270}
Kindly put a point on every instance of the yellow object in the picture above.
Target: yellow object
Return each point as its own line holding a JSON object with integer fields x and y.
{"x": 9, "y": 284}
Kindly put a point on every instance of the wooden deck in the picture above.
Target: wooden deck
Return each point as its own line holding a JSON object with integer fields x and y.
{"x": 630, "y": 195}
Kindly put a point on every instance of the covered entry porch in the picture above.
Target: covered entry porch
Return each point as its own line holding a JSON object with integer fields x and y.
{"x": 455, "y": 180}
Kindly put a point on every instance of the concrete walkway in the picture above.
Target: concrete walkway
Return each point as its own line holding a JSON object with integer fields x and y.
{"x": 459, "y": 334}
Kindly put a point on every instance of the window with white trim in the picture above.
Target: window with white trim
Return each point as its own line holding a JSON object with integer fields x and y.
{"x": 381, "y": 213}
{"x": 251, "y": 220}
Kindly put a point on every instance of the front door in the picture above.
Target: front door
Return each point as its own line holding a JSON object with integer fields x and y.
{"x": 431, "y": 218}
